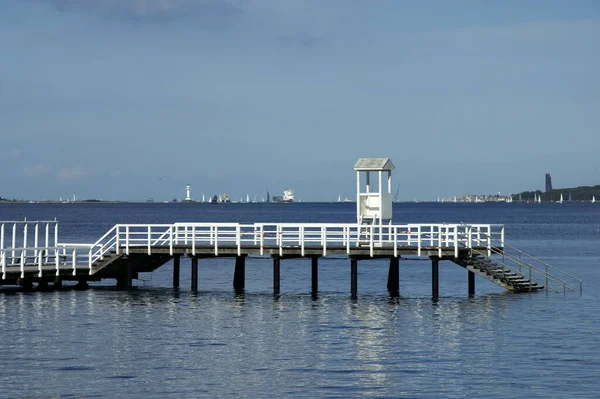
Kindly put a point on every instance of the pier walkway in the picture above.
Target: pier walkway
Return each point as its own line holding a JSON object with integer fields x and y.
{"x": 31, "y": 252}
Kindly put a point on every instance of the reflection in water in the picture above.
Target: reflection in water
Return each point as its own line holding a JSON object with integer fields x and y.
{"x": 252, "y": 343}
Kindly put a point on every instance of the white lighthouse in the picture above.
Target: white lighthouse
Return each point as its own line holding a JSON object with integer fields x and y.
{"x": 188, "y": 189}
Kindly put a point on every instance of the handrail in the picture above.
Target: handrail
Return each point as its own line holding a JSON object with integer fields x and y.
{"x": 531, "y": 277}
{"x": 545, "y": 264}
{"x": 504, "y": 253}
{"x": 528, "y": 265}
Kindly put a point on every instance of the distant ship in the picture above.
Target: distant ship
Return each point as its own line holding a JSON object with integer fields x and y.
{"x": 288, "y": 195}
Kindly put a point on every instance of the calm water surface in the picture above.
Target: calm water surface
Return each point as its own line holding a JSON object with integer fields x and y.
{"x": 157, "y": 342}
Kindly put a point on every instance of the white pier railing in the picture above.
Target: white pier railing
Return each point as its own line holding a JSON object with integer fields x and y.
{"x": 123, "y": 237}
{"x": 35, "y": 243}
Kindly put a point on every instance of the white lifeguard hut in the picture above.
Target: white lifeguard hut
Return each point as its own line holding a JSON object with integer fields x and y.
{"x": 374, "y": 196}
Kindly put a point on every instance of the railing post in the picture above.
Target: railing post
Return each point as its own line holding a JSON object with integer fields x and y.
{"x": 456, "y": 241}
{"x": 419, "y": 240}
{"x": 127, "y": 239}
{"x": 90, "y": 260}
{"x": 40, "y": 256}
{"x": 238, "y": 238}
{"x": 74, "y": 261}
{"x": 324, "y": 238}
{"x": 371, "y": 240}
{"x": 171, "y": 240}
{"x": 47, "y": 240}
{"x": 302, "y": 240}
{"x": 57, "y": 260}
{"x": 14, "y": 242}
{"x": 36, "y": 231}
{"x": 395, "y": 232}
{"x": 280, "y": 239}
{"x": 194, "y": 240}
{"x": 117, "y": 244}
{"x": 23, "y": 263}
{"x": 216, "y": 240}
{"x": 2, "y": 236}
{"x": 262, "y": 239}
{"x": 440, "y": 240}
{"x": 149, "y": 240}
{"x": 489, "y": 245}
{"x": 25, "y": 240}
{"x": 3, "y": 261}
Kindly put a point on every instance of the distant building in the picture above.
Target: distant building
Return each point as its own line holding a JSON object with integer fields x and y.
{"x": 548, "y": 182}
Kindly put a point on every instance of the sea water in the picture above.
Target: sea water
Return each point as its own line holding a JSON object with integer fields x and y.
{"x": 158, "y": 342}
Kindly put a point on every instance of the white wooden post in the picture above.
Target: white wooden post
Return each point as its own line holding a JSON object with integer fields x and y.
{"x": 14, "y": 242}
{"x": 324, "y": 235}
{"x": 395, "y": 232}
{"x": 117, "y": 243}
{"x": 3, "y": 261}
{"x": 194, "y": 240}
{"x": 90, "y": 260}
{"x": 39, "y": 259}
{"x": 47, "y": 241}
{"x": 23, "y": 263}
{"x": 238, "y": 237}
{"x": 36, "y": 240}
{"x": 302, "y": 240}
{"x": 25, "y": 240}
{"x": 74, "y": 261}
{"x": 127, "y": 239}
{"x": 216, "y": 240}
{"x": 149, "y": 240}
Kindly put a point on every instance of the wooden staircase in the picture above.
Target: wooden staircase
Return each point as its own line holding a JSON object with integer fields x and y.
{"x": 498, "y": 273}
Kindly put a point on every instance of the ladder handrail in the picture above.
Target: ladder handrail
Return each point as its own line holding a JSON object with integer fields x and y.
{"x": 528, "y": 265}
{"x": 533, "y": 268}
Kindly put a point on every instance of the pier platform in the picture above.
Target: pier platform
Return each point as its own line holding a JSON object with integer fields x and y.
{"x": 32, "y": 253}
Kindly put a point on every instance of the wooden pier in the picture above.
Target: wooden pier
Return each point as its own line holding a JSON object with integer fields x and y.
{"x": 31, "y": 252}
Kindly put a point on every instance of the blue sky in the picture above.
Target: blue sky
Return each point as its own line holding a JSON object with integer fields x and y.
{"x": 130, "y": 99}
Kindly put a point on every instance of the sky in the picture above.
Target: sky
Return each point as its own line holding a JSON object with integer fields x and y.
{"x": 132, "y": 99}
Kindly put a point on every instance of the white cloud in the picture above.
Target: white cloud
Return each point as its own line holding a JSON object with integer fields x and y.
{"x": 36, "y": 170}
{"x": 73, "y": 173}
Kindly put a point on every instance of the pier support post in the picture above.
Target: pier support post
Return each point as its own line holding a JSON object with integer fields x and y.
{"x": 130, "y": 275}
{"x": 314, "y": 262}
{"x": 393, "y": 282}
{"x": 57, "y": 283}
{"x": 435, "y": 293}
{"x": 176, "y": 268}
{"x": 239, "y": 274}
{"x": 276, "y": 274}
{"x": 471, "y": 283}
{"x": 194, "y": 274}
{"x": 82, "y": 284}
{"x": 353, "y": 277}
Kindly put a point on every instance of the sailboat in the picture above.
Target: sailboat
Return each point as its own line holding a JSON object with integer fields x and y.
{"x": 593, "y": 199}
{"x": 560, "y": 201}
{"x": 247, "y": 198}
{"x": 339, "y": 198}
